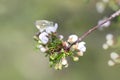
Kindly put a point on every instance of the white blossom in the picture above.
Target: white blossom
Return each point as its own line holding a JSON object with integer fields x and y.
{"x": 109, "y": 36}
{"x": 105, "y": 46}
{"x": 111, "y": 63}
{"x": 100, "y": 7}
{"x": 107, "y": 24}
{"x": 43, "y": 37}
{"x": 64, "y": 61}
{"x": 72, "y": 38}
{"x": 51, "y": 29}
{"x": 110, "y": 42}
{"x": 81, "y": 46}
{"x": 114, "y": 55}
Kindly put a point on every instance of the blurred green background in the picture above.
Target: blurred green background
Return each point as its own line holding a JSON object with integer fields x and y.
{"x": 20, "y": 61}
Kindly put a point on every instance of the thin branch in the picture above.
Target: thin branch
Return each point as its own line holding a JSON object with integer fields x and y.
{"x": 117, "y": 13}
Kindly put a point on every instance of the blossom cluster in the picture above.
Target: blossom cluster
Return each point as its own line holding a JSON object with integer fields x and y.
{"x": 114, "y": 57}
{"x": 109, "y": 41}
{"x": 101, "y": 5}
{"x": 54, "y": 47}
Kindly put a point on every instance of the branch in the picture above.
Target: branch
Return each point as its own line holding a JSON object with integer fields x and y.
{"x": 117, "y": 13}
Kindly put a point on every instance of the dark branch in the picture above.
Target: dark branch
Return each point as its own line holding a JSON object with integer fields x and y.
{"x": 117, "y": 13}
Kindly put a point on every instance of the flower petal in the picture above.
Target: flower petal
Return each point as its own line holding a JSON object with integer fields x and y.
{"x": 81, "y": 46}
{"x": 114, "y": 55}
{"x": 43, "y": 37}
{"x": 72, "y": 38}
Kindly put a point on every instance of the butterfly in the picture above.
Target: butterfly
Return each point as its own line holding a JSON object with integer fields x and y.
{"x": 43, "y": 24}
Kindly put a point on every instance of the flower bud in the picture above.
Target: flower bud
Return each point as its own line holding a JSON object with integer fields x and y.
{"x": 64, "y": 61}
{"x": 65, "y": 44}
{"x": 105, "y": 46}
{"x": 61, "y": 37}
{"x": 114, "y": 55}
{"x": 58, "y": 66}
{"x": 43, "y": 49}
{"x": 72, "y": 38}
{"x": 81, "y": 46}
{"x": 110, "y": 42}
{"x": 111, "y": 63}
{"x": 75, "y": 58}
{"x": 109, "y": 37}
{"x": 100, "y": 7}
{"x": 80, "y": 53}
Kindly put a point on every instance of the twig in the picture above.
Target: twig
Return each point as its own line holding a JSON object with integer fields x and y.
{"x": 117, "y": 13}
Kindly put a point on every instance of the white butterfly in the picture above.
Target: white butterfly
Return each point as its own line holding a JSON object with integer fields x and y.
{"x": 43, "y": 24}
